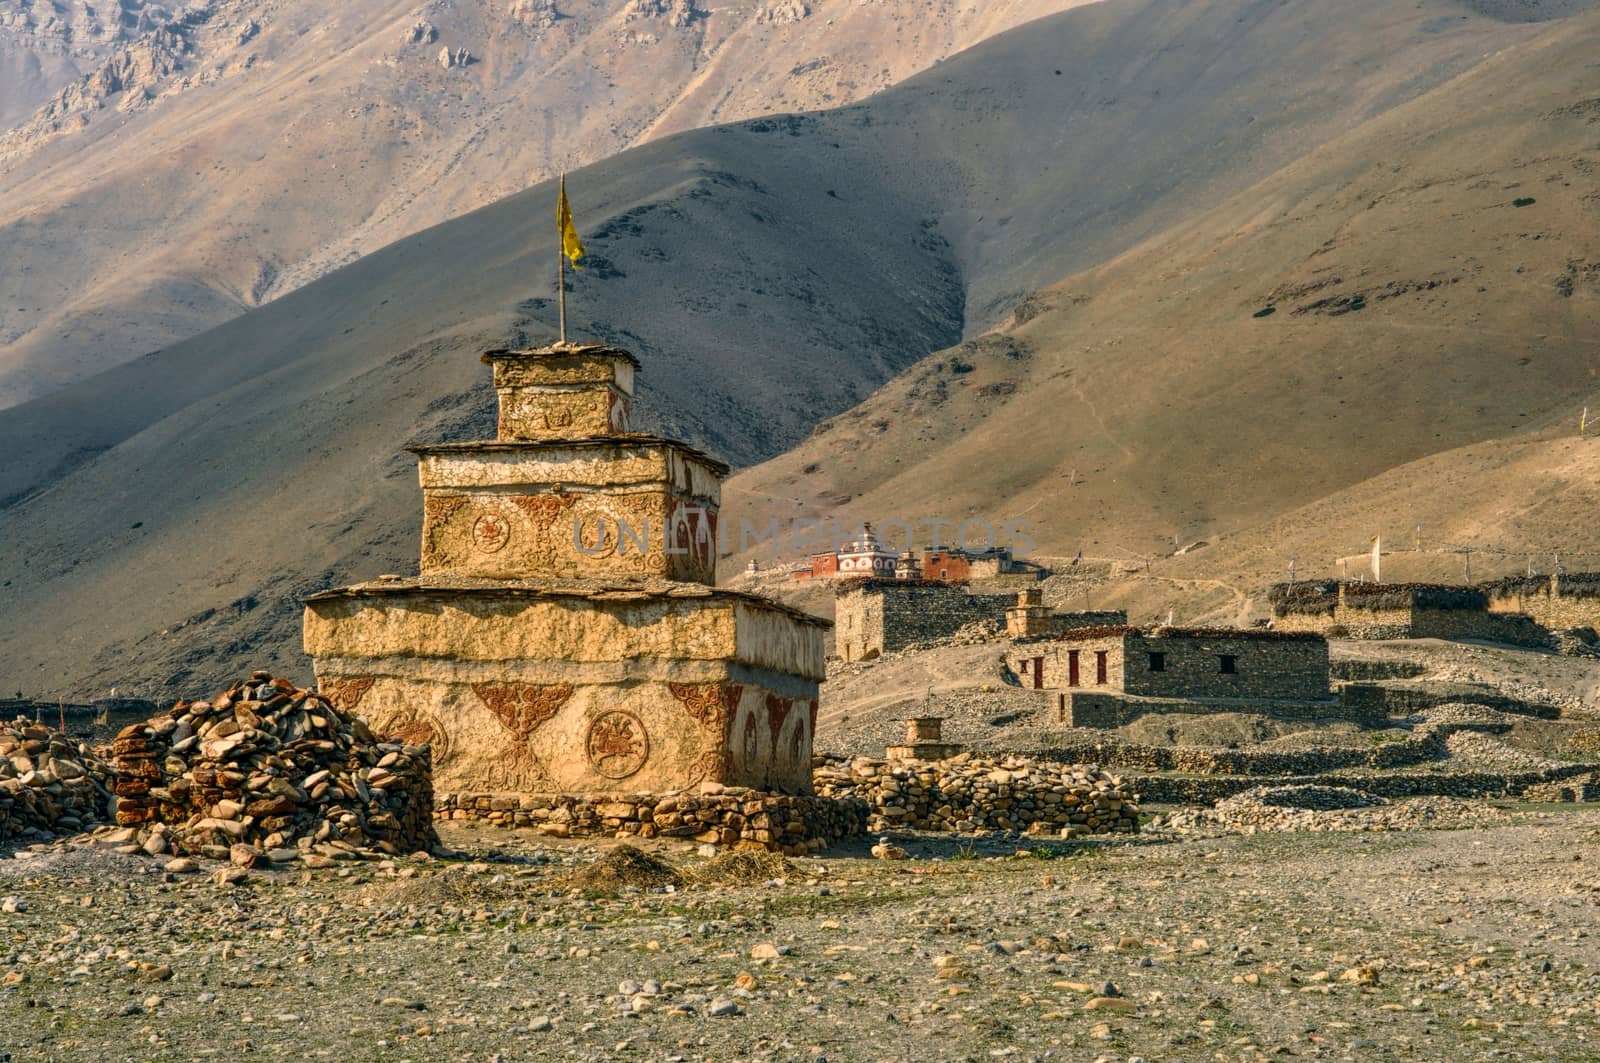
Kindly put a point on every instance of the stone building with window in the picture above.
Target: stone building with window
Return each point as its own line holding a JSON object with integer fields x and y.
{"x": 1178, "y": 663}
{"x": 1109, "y": 675}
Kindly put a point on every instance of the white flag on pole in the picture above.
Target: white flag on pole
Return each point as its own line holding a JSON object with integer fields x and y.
{"x": 1377, "y": 560}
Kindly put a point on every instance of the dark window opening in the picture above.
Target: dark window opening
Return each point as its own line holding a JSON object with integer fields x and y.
{"x": 1072, "y": 668}
{"x": 1100, "y": 667}
{"x": 1228, "y": 664}
{"x": 1158, "y": 662}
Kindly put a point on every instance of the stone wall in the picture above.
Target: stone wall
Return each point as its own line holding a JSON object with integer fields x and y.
{"x": 1107, "y": 710}
{"x": 1363, "y": 669}
{"x": 1427, "y": 743}
{"x": 1404, "y": 699}
{"x": 1203, "y": 790}
{"x": 731, "y": 817}
{"x": 970, "y": 794}
{"x": 1554, "y": 602}
{"x": 1403, "y": 611}
{"x": 874, "y": 617}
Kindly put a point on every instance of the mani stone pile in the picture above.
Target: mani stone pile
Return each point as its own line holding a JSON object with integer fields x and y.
{"x": 968, "y": 793}
{"x": 266, "y": 773}
{"x": 48, "y": 784}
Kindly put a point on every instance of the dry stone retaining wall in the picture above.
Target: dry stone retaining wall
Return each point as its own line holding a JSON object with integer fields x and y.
{"x": 1102, "y": 710}
{"x": 731, "y": 817}
{"x": 1426, "y": 744}
{"x": 1360, "y": 669}
{"x": 971, "y": 794}
{"x": 1210, "y": 789}
{"x": 1398, "y": 699}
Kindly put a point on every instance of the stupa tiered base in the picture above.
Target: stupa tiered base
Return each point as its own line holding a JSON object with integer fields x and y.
{"x": 545, "y": 687}
{"x": 605, "y": 507}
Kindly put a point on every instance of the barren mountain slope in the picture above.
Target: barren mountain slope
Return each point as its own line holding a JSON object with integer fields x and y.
{"x": 1488, "y": 509}
{"x": 1182, "y": 103}
{"x": 1434, "y": 284}
{"x": 237, "y": 149}
{"x": 160, "y": 517}
{"x": 1497, "y": 508}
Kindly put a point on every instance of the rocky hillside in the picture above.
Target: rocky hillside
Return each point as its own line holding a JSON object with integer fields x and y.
{"x": 48, "y": 45}
{"x": 166, "y": 166}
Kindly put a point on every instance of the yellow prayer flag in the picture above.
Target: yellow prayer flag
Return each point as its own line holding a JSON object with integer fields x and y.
{"x": 571, "y": 246}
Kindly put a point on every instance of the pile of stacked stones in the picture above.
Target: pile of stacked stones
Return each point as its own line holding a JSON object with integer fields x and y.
{"x": 268, "y": 773}
{"x": 973, "y": 794}
{"x": 731, "y": 817}
{"x": 48, "y": 784}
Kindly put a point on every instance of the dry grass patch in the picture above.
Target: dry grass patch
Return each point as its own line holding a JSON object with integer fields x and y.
{"x": 622, "y": 867}
{"x": 742, "y": 867}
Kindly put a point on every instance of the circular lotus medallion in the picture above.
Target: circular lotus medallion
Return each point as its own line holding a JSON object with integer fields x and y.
{"x": 617, "y": 745}
{"x": 491, "y": 532}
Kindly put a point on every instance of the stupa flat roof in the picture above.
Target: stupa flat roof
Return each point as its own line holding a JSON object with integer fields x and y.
{"x": 587, "y": 589}
{"x": 624, "y": 439}
{"x": 559, "y": 350}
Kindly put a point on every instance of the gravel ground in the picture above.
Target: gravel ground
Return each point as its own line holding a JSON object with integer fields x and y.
{"x": 1411, "y": 944}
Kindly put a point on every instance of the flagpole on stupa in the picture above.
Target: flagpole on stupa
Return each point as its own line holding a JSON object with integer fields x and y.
{"x": 568, "y": 246}
{"x": 561, "y": 257}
